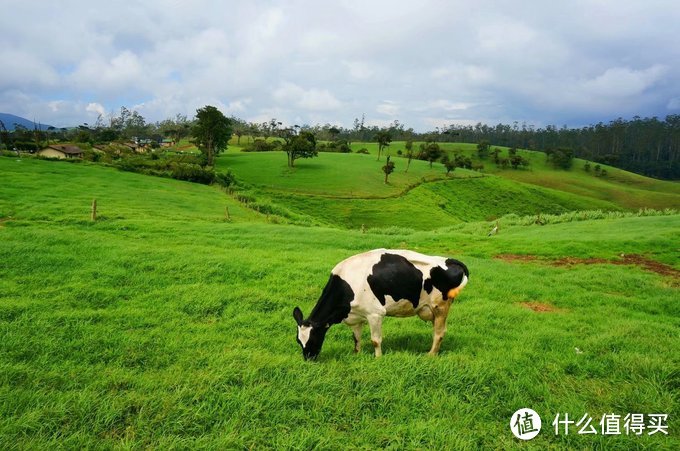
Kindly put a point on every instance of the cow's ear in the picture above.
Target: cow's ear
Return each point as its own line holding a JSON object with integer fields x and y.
{"x": 297, "y": 314}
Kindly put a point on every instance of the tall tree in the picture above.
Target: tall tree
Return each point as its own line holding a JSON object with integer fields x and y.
{"x": 211, "y": 132}
{"x": 388, "y": 168}
{"x": 383, "y": 138}
{"x": 430, "y": 151}
{"x": 299, "y": 145}
{"x": 409, "y": 153}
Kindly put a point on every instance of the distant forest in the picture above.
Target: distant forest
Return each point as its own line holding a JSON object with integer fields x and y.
{"x": 648, "y": 146}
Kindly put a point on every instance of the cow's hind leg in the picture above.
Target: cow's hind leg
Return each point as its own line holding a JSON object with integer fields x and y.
{"x": 375, "y": 324}
{"x": 356, "y": 331}
{"x": 440, "y": 313}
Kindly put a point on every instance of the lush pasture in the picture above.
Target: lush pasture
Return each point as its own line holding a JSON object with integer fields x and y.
{"x": 434, "y": 205}
{"x": 348, "y": 190}
{"x": 329, "y": 174}
{"x": 162, "y": 325}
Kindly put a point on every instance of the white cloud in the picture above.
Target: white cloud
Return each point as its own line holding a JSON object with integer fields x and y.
{"x": 388, "y": 108}
{"x": 674, "y": 104}
{"x": 360, "y": 70}
{"x": 332, "y": 61}
{"x": 310, "y": 99}
{"x": 94, "y": 107}
{"x": 623, "y": 81}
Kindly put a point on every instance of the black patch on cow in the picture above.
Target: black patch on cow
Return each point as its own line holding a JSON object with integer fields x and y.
{"x": 397, "y": 277}
{"x": 316, "y": 337}
{"x": 427, "y": 285}
{"x": 333, "y": 305}
{"x": 451, "y": 277}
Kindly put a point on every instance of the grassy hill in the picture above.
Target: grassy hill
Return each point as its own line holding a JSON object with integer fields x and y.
{"x": 347, "y": 190}
{"x": 163, "y": 326}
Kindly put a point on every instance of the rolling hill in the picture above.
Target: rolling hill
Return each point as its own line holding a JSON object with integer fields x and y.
{"x": 347, "y": 190}
{"x": 163, "y": 325}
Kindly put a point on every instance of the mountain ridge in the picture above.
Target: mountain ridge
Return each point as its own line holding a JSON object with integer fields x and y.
{"x": 11, "y": 120}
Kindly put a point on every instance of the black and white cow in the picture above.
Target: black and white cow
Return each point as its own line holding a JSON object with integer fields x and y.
{"x": 367, "y": 287}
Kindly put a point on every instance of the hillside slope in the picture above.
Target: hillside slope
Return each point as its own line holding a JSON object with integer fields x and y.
{"x": 348, "y": 190}
{"x": 60, "y": 191}
{"x": 163, "y": 326}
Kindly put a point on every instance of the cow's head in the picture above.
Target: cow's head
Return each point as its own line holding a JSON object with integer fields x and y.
{"x": 310, "y": 335}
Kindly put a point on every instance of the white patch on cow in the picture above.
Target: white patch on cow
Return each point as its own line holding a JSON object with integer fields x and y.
{"x": 463, "y": 282}
{"x": 303, "y": 334}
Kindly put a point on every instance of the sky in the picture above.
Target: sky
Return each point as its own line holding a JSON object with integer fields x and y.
{"x": 424, "y": 63}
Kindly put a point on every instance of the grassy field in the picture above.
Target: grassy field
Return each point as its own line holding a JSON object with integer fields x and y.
{"x": 163, "y": 326}
{"x": 348, "y": 190}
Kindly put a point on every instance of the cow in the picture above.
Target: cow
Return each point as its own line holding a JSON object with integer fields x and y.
{"x": 367, "y": 287}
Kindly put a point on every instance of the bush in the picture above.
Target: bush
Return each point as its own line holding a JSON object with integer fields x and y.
{"x": 25, "y": 145}
{"x": 260, "y": 145}
{"x": 192, "y": 173}
{"x": 225, "y": 179}
{"x": 335, "y": 146}
{"x": 363, "y": 151}
{"x": 92, "y": 155}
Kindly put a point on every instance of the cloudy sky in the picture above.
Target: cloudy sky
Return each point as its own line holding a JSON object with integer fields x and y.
{"x": 424, "y": 63}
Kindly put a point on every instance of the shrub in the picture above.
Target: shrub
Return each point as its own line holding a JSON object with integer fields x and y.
{"x": 26, "y": 145}
{"x": 363, "y": 150}
{"x": 225, "y": 179}
{"x": 260, "y": 145}
{"x": 192, "y": 173}
{"x": 334, "y": 146}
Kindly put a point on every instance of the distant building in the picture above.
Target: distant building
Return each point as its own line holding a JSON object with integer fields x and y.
{"x": 61, "y": 151}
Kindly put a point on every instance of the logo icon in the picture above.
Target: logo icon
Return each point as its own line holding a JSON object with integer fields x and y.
{"x": 525, "y": 424}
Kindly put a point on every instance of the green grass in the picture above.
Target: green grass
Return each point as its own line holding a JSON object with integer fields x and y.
{"x": 48, "y": 191}
{"x": 329, "y": 174}
{"x": 162, "y": 326}
{"x": 348, "y": 190}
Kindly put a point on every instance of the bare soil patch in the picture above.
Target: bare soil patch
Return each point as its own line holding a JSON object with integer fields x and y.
{"x": 625, "y": 259}
{"x": 516, "y": 258}
{"x": 540, "y": 307}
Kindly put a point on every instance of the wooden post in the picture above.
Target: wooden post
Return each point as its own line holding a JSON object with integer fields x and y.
{"x": 94, "y": 209}
{"x": 226, "y": 214}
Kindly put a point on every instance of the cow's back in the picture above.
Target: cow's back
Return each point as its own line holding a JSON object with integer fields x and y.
{"x": 387, "y": 281}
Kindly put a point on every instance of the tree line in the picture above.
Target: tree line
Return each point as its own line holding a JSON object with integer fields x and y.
{"x": 649, "y": 146}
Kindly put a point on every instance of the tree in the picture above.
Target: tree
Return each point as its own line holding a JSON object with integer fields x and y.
{"x": 211, "y": 132}
{"x": 299, "y": 145}
{"x": 483, "y": 149}
{"x": 383, "y": 138}
{"x": 388, "y": 168}
{"x": 409, "y": 153}
{"x": 430, "y": 151}
{"x": 496, "y": 155}
{"x": 334, "y": 132}
{"x": 517, "y": 160}
{"x": 448, "y": 163}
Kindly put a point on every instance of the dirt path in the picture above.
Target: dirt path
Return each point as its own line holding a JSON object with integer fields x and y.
{"x": 625, "y": 259}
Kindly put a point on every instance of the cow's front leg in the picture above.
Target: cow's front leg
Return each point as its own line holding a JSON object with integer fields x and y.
{"x": 375, "y": 324}
{"x": 440, "y": 313}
